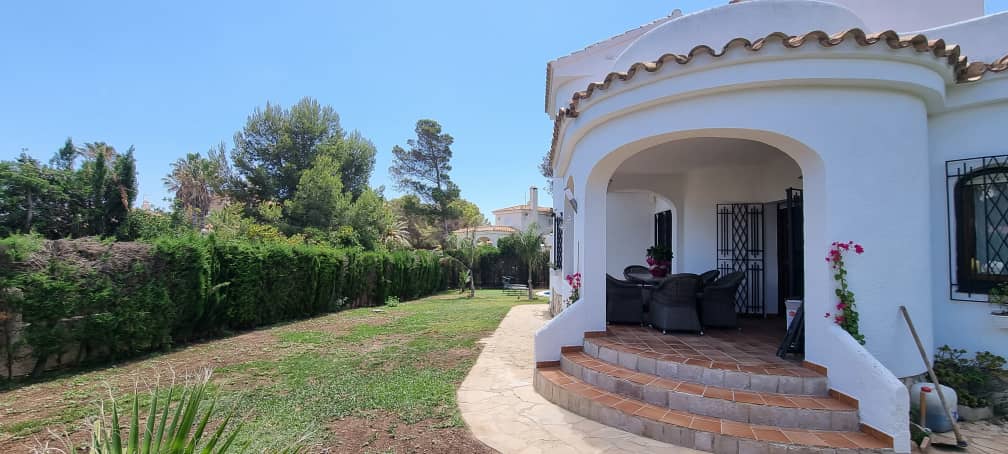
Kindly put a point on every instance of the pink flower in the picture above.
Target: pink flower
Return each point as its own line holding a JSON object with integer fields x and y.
{"x": 841, "y": 306}
{"x": 858, "y": 249}
{"x": 827, "y": 315}
{"x": 839, "y": 319}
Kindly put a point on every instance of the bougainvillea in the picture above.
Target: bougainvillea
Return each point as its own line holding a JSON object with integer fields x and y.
{"x": 574, "y": 280}
{"x": 846, "y": 314}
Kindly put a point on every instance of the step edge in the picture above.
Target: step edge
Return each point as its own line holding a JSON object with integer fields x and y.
{"x": 790, "y": 417}
{"x": 564, "y": 403}
{"x": 810, "y": 386}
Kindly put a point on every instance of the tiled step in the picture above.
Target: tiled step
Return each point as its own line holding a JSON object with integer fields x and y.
{"x": 697, "y": 432}
{"x": 805, "y": 412}
{"x": 695, "y": 364}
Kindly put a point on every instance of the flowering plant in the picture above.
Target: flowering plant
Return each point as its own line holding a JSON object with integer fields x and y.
{"x": 574, "y": 280}
{"x": 659, "y": 258}
{"x": 846, "y": 315}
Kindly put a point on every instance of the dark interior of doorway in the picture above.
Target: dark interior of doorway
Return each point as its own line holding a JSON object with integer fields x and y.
{"x": 790, "y": 249}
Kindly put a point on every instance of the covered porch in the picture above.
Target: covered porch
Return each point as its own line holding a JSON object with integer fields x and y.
{"x": 731, "y": 211}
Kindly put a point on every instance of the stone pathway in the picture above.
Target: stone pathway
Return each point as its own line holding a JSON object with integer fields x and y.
{"x": 502, "y": 410}
{"x": 983, "y": 438}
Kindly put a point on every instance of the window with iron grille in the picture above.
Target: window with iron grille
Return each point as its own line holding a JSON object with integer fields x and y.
{"x": 558, "y": 242}
{"x": 979, "y": 193}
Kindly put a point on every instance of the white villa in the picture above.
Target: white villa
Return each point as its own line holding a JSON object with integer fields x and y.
{"x": 514, "y": 219}
{"x": 749, "y": 137}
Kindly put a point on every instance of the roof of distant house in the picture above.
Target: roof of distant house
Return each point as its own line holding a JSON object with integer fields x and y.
{"x": 488, "y": 228}
{"x": 522, "y": 208}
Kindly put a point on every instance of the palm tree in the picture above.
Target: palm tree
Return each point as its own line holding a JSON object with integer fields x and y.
{"x": 93, "y": 149}
{"x": 396, "y": 234}
{"x": 529, "y": 247}
{"x": 193, "y": 179}
{"x": 465, "y": 252}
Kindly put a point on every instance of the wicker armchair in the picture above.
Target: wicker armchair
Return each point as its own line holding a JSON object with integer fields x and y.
{"x": 708, "y": 277}
{"x": 641, "y": 269}
{"x": 673, "y": 304}
{"x": 623, "y": 301}
{"x": 717, "y": 307}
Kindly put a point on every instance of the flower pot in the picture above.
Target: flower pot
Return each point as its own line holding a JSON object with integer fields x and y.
{"x": 658, "y": 271}
{"x": 975, "y": 414}
{"x": 1000, "y": 321}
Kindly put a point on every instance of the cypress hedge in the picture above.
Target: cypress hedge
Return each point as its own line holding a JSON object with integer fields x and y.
{"x": 88, "y": 301}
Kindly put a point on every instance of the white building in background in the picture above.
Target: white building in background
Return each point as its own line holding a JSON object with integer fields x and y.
{"x": 746, "y": 123}
{"x": 513, "y": 219}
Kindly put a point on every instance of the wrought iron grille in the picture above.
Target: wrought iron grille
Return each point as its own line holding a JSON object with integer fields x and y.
{"x": 740, "y": 247}
{"x": 558, "y": 241}
{"x": 978, "y": 221}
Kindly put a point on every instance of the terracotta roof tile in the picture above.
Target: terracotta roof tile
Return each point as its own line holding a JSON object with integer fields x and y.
{"x": 963, "y": 72}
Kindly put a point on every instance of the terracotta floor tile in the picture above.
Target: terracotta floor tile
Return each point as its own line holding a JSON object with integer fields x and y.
{"x": 778, "y": 400}
{"x": 737, "y": 429}
{"x": 833, "y": 404}
{"x": 706, "y": 424}
{"x": 628, "y": 406}
{"x": 666, "y": 383}
{"x": 641, "y": 378}
{"x": 651, "y": 412}
{"x": 836, "y": 440}
{"x": 749, "y": 398}
{"x": 608, "y": 400}
{"x": 803, "y": 438}
{"x": 770, "y": 434}
{"x": 864, "y": 440}
{"x": 691, "y": 388}
{"x": 807, "y": 402}
{"x": 677, "y": 418}
{"x": 718, "y": 393}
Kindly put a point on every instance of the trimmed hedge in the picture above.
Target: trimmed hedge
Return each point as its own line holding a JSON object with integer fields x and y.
{"x": 110, "y": 301}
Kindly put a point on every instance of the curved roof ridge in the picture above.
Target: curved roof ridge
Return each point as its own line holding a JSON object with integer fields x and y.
{"x": 964, "y": 71}
{"x": 918, "y": 42}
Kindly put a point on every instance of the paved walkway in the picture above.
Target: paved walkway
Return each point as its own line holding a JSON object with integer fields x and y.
{"x": 502, "y": 410}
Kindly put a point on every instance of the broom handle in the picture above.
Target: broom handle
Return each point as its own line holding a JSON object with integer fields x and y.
{"x": 934, "y": 378}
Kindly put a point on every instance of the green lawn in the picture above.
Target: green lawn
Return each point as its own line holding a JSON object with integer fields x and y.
{"x": 400, "y": 366}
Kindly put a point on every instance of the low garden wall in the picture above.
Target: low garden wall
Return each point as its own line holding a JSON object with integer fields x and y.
{"x": 67, "y": 302}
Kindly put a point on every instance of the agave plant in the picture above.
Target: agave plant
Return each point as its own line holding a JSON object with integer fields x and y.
{"x": 181, "y": 430}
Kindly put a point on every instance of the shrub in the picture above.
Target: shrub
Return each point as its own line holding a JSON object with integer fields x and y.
{"x": 116, "y": 300}
{"x": 973, "y": 379}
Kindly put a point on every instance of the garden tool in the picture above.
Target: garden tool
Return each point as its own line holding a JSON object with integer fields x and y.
{"x": 960, "y": 440}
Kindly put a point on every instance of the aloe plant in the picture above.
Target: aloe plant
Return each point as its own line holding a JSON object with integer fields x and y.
{"x": 182, "y": 430}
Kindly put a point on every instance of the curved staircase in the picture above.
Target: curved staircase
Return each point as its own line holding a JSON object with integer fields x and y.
{"x": 675, "y": 390}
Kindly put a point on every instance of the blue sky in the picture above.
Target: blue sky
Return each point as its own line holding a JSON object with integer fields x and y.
{"x": 178, "y": 76}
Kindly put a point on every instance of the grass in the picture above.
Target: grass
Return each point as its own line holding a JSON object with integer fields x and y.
{"x": 405, "y": 360}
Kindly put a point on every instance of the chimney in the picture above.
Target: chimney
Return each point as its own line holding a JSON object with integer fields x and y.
{"x": 534, "y": 201}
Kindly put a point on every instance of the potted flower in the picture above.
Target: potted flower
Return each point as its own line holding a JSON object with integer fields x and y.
{"x": 998, "y": 297}
{"x": 659, "y": 258}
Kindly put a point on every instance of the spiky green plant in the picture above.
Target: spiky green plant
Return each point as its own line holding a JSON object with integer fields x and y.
{"x": 167, "y": 431}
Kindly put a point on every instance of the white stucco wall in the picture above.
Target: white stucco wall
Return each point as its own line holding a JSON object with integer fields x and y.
{"x": 909, "y": 15}
{"x": 630, "y": 229}
{"x": 967, "y": 133}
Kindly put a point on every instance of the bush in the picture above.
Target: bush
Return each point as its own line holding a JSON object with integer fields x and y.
{"x": 116, "y": 300}
{"x": 973, "y": 379}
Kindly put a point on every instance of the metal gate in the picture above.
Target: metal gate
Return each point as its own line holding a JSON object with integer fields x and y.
{"x": 740, "y": 247}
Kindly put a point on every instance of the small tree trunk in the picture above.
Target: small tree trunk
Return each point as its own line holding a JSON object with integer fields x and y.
{"x": 472, "y": 285}
{"x": 530, "y": 295}
{"x": 31, "y": 213}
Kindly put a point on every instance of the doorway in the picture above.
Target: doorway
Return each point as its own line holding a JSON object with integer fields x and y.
{"x": 790, "y": 249}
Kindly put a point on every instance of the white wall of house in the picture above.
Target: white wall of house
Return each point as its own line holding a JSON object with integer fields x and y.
{"x": 971, "y": 132}
{"x": 870, "y": 128}
{"x": 629, "y": 229}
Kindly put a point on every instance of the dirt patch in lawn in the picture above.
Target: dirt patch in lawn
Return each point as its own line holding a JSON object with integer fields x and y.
{"x": 387, "y": 433}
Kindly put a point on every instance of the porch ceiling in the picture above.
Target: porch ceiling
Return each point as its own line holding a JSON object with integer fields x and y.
{"x": 690, "y": 154}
